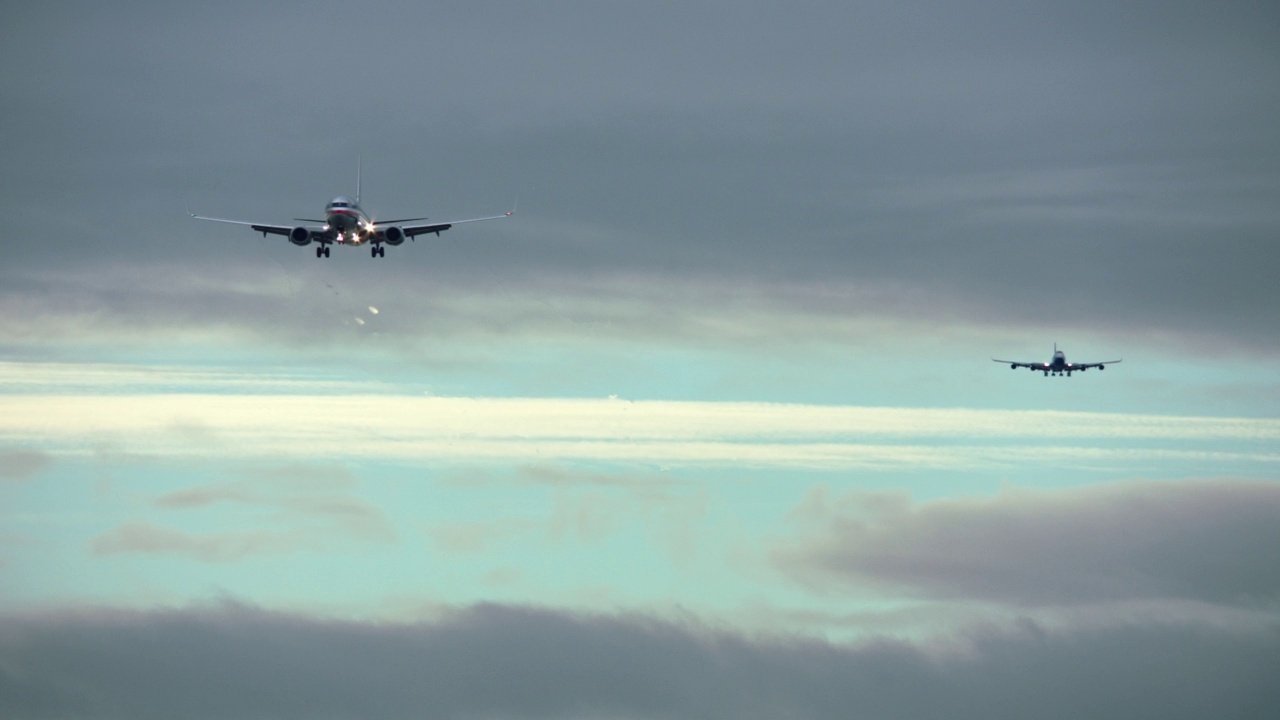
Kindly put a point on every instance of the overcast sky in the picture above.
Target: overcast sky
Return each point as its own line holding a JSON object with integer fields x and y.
{"x": 710, "y": 428}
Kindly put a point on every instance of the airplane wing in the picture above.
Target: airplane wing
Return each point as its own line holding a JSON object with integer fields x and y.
{"x": 317, "y": 234}
{"x": 437, "y": 228}
{"x": 397, "y": 222}
{"x": 1016, "y": 364}
{"x": 1085, "y": 366}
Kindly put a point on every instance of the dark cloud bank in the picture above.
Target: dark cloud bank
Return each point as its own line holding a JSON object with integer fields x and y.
{"x": 234, "y": 661}
{"x": 1013, "y": 163}
{"x": 1200, "y": 541}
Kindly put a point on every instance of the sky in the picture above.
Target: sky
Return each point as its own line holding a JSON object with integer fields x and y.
{"x": 709, "y": 428}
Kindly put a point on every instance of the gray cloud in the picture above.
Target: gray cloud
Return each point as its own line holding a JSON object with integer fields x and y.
{"x": 511, "y": 662}
{"x": 473, "y": 537}
{"x": 23, "y": 464}
{"x": 324, "y": 311}
{"x": 311, "y": 513}
{"x": 587, "y": 507}
{"x": 303, "y": 494}
{"x": 1118, "y": 161}
{"x": 345, "y": 514}
{"x": 146, "y": 538}
{"x": 1193, "y": 540}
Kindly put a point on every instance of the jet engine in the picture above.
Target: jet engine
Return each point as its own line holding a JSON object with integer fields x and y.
{"x": 393, "y": 235}
{"x": 300, "y": 236}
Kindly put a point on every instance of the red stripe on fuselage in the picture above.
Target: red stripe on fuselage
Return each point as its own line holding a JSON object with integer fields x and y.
{"x": 346, "y": 218}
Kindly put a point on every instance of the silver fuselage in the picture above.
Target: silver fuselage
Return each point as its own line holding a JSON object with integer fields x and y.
{"x": 346, "y": 218}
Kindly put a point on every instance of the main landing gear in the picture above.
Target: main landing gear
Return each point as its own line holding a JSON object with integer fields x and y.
{"x": 322, "y": 251}
{"x": 377, "y": 251}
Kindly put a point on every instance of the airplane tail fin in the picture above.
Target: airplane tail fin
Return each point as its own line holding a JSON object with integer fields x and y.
{"x": 357, "y": 179}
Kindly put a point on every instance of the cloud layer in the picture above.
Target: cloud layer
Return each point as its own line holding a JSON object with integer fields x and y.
{"x": 23, "y": 464}
{"x": 514, "y": 662}
{"x": 288, "y": 510}
{"x": 528, "y": 429}
{"x": 1194, "y": 540}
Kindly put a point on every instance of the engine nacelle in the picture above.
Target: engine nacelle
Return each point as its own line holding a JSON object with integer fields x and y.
{"x": 300, "y": 236}
{"x": 1013, "y": 367}
{"x": 1102, "y": 367}
{"x": 393, "y": 235}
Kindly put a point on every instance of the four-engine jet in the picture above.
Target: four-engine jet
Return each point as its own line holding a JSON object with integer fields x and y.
{"x": 1058, "y": 365}
{"x": 346, "y": 224}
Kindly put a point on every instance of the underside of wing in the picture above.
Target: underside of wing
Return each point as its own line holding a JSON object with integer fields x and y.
{"x": 260, "y": 227}
{"x": 437, "y": 228}
{"x": 415, "y": 230}
{"x": 397, "y": 222}
{"x": 272, "y": 229}
{"x": 1082, "y": 366}
{"x": 320, "y": 234}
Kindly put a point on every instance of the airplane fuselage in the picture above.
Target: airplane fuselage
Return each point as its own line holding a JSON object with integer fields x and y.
{"x": 1058, "y": 365}
{"x": 346, "y": 218}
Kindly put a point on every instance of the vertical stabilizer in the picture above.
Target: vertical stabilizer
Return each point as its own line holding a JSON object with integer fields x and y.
{"x": 357, "y": 179}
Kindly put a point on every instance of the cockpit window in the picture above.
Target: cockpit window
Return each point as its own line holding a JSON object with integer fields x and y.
{"x": 339, "y": 205}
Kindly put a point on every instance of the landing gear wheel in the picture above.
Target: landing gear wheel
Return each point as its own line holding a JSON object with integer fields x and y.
{"x": 319, "y": 251}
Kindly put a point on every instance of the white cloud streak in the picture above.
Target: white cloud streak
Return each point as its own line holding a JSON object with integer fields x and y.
{"x": 428, "y": 429}
{"x": 48, "y": 377}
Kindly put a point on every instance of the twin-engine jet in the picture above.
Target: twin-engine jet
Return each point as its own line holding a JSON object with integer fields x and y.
{"x": 1058, "y": 365}
{"x": 345, "y": 223}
